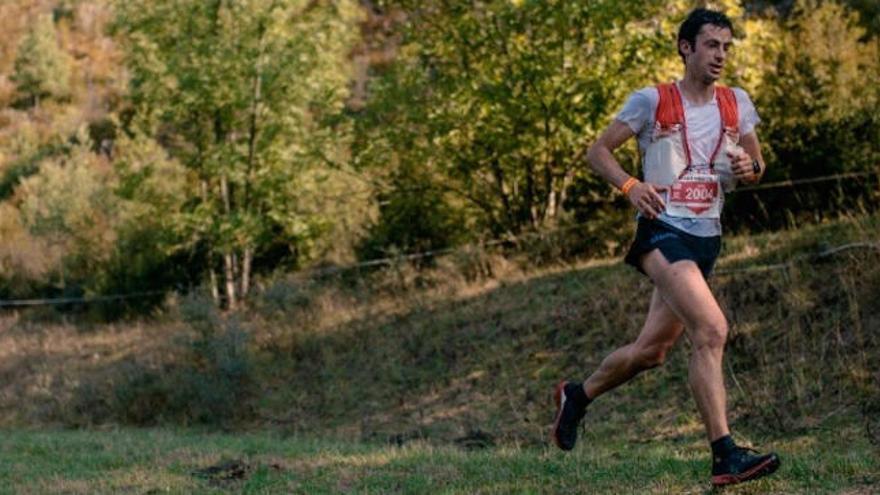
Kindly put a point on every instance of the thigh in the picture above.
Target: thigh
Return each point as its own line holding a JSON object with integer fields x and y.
{"x": 685, "y": 291}
{"x": 662, "y": 326}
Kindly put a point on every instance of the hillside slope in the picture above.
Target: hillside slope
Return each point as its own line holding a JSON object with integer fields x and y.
{"x": 404, "y": 354}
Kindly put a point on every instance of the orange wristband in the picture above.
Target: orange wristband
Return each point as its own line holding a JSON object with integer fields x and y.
{"x": 632, "y": 181}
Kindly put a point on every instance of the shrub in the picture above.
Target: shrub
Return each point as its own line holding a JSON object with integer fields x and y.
{"x": 206, "y": 377}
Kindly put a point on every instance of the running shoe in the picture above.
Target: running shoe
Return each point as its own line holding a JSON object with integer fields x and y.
{"x": 568, "y": 416}
{"x": 743, "y": 464}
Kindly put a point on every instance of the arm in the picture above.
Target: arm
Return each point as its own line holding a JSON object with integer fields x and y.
{"x": 741, "y": 163}
{"x": 645, "y": 197}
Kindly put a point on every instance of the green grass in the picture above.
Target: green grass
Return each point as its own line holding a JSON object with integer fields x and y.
{"x": 831, "y": 460}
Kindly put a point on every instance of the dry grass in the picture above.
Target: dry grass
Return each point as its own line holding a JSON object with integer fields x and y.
{"x": 403, "y": 353}
{"x": 42, "y": 365}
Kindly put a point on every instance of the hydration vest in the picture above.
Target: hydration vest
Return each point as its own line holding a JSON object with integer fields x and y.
{"x": 692, "y": 193}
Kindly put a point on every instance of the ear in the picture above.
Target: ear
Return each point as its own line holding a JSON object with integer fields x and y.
{"x": 685, "y": 47}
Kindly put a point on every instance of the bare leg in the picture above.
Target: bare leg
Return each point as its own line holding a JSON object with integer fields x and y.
{"x": 686, "y": 292}
{"x": 661, "y": 330}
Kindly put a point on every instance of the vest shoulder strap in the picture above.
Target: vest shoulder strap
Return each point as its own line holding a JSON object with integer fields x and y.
{"x": 727, "y": 105}
{"x": 670, "y": 111}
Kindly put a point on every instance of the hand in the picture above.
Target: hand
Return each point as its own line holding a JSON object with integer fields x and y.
{"x": 647, "y": 199}
{"x": 741, "y": 165}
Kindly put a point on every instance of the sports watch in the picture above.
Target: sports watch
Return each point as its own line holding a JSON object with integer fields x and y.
{"x": 756, "y": 167}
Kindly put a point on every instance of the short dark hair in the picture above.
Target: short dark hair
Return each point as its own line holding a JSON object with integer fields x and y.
{"x": 695, "y": 21}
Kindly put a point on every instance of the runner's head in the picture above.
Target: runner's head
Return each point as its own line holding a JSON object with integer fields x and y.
{"x": 704, "y": 40}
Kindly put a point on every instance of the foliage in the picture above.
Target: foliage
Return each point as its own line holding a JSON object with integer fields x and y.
{"x": 99, "y": 225}
{"x": 149, "y": 188}
{"x": 42, "y": 68}
{"x": 23, "y": 257}
{"x": 414, "y": 218}
{"x": 241, "y": 93}
{"x": 70, "y": 204}
{"x": 821, "y": 116}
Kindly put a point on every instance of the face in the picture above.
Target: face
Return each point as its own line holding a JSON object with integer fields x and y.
{"x": 706, "y": 58}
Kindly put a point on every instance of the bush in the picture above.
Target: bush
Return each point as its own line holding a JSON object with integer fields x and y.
{"x": 215, "y": 384}
{"x": 283, "y": 296}
{"x": 205, "y": 378}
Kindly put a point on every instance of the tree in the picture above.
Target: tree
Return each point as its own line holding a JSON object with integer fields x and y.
{"x": 93, "y": 224}
{"x": 821, "y": 112}
{"x": 70, "y": 204}
{"x": 244, "y": 93}
{"x": 42, "y": 68}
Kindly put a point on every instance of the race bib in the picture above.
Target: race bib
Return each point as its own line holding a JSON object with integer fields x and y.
{"x": 695, "y": 195}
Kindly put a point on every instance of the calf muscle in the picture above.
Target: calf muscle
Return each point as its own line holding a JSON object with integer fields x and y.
{"x": 661, "y": 330}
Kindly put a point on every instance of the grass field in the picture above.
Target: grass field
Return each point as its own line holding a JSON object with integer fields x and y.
{"x": 440, "y": 382}
{"x": 828, "y": 460}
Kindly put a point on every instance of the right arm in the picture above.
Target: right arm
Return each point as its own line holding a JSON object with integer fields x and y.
{"x": 645, "y": 197}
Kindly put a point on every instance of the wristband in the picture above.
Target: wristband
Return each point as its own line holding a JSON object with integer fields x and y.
{"x": 632, "y": 181}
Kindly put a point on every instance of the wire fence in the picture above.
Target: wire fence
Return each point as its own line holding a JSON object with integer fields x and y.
{"x": 826, "y": 253}
{"x": 808, "y": 180}
{"x": 58, "y": 301}
{"x": 408, "y": 257}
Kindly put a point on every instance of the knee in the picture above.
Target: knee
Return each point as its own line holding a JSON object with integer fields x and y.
{"x": 711, "y": 336}
{"x": 651, "y": 356}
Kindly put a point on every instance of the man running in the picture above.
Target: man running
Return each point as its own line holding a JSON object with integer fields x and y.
{"x": 697, "y": 139}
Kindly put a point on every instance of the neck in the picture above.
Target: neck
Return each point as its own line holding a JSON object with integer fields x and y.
{"x": 696, "y": 90}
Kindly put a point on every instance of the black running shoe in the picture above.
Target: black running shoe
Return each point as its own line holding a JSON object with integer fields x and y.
{"x": 743, "y": 464}
{"x": 568, "y": 416}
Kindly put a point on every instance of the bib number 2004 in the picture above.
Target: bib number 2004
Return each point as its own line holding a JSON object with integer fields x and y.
{"x": 697, "y": 194}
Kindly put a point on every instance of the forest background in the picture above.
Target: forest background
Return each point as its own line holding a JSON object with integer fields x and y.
{"x": 163, "y": 146}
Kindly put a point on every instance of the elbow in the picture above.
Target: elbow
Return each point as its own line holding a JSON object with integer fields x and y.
{"x": 592, "y": 155}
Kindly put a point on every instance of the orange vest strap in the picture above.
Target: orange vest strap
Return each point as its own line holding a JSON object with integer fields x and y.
{"x": 727, "y": 104}
{"x": 669, "y": 109}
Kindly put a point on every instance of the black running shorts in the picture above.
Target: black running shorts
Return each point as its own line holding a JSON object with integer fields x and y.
{"x": 675, "y": 244}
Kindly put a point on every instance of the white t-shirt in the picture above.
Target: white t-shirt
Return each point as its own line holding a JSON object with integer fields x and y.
{"x": 704, "y": 127}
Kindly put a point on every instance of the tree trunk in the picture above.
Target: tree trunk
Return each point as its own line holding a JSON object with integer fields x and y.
{"x": 566, "y": 183}
{"x": 232, "y": 300}
{"x": 224, "y": 194}
{"x": 236, "y": 276}
{"x": 215, "y": 290}
{"x": 550, "y": 208}
{"x": 246, "y": 271}
{"x": 502, "y": 194}
{"x": 550, "y": 204}
{"x": 529, "y": 201}
{"x": 228, "y": 257}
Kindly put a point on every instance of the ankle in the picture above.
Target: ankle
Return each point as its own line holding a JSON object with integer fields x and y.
{"x": 722, "y": 447}
{"x": 577, "y": 394}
